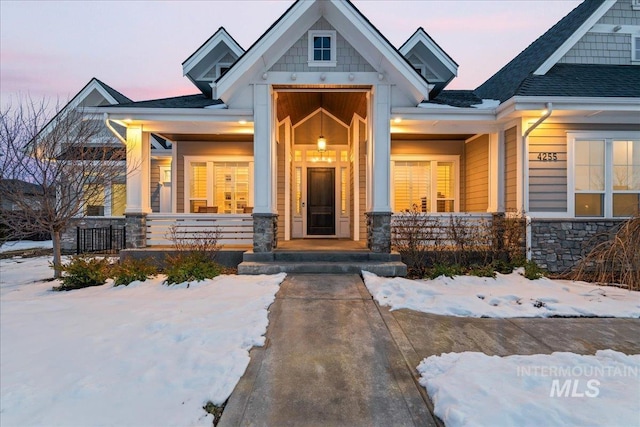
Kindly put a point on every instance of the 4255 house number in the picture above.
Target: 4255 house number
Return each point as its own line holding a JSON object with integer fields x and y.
{"x": 547, "y": 157}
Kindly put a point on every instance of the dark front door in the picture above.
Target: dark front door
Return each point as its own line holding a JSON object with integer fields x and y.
{"x": 321, "y": 202}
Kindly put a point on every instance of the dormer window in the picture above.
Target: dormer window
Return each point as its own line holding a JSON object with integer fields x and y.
{"x": 322, "y": 49}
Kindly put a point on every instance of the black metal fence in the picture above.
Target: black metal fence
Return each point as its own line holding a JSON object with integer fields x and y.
{"x": 107, "y": 240}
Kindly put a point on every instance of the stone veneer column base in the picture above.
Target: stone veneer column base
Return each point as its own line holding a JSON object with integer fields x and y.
{"x": 265, "y": 232}
{"x": 136, "y": 234}
{"x": 379, "y": 231}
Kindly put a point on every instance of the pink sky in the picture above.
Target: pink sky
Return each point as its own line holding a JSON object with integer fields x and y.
{"x": 53, "y": 48}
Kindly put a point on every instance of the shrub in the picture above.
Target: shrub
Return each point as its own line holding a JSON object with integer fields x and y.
{"x": 616, "y": 259}
{"x": 190, "y": 266}
{"x": 532, "y": 271}
{"x": 502, "y": 266}
{"x": 131, "y": 269}
{"x": 482, "y": 270}
{"x": 412, "y": 234}
{"x": 82, "y": 272}
{"x": 448, "y": 270}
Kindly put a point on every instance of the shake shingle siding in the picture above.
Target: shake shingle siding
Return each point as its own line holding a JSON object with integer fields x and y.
{"x": 347, "y": 57}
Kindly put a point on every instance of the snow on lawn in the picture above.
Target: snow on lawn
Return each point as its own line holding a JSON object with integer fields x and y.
{"x": 538, "y": 390}
{"x": 510, "y": 295}
{"x": 145, "y": 354}
{"x": 25, "y": 244}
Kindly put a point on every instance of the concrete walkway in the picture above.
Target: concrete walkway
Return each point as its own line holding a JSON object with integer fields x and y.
{"x": 333, "y": 357}
{"x": 329, "y": 361}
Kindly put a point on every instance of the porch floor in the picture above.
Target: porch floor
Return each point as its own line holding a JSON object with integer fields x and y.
{"x": 342, "y": 245}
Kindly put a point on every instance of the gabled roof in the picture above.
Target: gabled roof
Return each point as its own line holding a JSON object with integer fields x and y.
{"x": 187, "y": 101}
{"x": 505, "y": 83}
{"x": 216, "y": 46}
{"x": 421, "y": 36}
{"x": 119, "y": 97}
{"x": 584, "y": 80}
{"x": 346, "y": 19}
{"x": 106, "y": 93}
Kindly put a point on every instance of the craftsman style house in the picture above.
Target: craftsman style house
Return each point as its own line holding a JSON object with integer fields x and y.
{"x": 322, "y": 128}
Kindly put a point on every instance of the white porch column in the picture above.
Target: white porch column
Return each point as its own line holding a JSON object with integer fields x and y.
{"x": 138, "y": 153}
{"x": 263, "y": 151}
{"x": 379, "y": 171}
{"x": 381, "y": 149}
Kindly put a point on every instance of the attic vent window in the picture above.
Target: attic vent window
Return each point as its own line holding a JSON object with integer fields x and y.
{"x": 322, "y": 49}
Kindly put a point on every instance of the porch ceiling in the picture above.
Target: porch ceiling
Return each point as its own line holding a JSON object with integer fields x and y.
{"x": 343, "y": 105}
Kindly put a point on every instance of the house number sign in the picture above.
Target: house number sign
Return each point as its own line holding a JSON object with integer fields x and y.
{"x": 547, "y": 157}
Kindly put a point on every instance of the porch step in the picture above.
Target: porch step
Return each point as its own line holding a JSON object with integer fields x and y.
{"x": 319, "y": 262}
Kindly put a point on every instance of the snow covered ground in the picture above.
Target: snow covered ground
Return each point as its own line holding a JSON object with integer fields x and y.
{"x": 25, "y": 244}
{"x": 510, "y": 295}
{"x": 143, "y": 355}
{"x": 560, "y": 389}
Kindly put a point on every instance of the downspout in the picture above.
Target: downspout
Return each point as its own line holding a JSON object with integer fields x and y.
{"x": 525, "y": 166}
{"x": 112, "y": 129}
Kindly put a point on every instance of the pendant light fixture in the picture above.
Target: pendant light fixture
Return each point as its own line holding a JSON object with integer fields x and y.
{"x": 322, "y": 141}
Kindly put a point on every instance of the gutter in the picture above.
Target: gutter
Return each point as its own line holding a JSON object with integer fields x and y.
{"x": 107, "y": 122}
{"x": 525, "y": 174}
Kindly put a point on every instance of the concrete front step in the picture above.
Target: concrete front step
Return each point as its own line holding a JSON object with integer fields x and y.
{"x": 318, "y": 262}
{"x": 388, "y": 269}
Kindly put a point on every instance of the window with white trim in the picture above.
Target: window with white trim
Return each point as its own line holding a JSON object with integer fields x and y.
{"x": 322, "y": 48}
{"x": 220, "y": 186}
{"x": 432, "y": 185}
{"x": 606, "y": 176}
{"x": 635, "y": 48}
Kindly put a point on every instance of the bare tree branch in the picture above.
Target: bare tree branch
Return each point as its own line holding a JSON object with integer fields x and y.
{"x": 51, "y": 168}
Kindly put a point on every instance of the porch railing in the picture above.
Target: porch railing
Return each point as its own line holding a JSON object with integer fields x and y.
{"x": 436, "y": 228}
{"x": 235, "y": 229}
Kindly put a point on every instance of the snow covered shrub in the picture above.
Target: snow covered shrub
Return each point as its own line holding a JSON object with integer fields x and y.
{"x": 82, "y": 272}
{"x": 190, "y": 266}
{"x": 486, "y": 270}
{"x": 448, "y": 270}
{"x": 616, "y": 260}
{"x": 130, "y": 270}
{"x": 532, "y": 271}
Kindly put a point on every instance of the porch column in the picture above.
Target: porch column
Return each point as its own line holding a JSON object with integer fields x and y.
{"x": 264, "y": 175}
{"x": 138, "y": 151}
{"x": 379, "y": 148}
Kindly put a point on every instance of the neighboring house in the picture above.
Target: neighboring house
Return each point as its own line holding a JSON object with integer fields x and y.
{"x": 29, "y": 193}
{"x": 322, "y": 128}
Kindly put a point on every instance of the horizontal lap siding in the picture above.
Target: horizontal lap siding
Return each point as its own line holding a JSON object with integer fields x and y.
{"x": 548, "y": 178}
{"x": 477, "y": 175}
{"x": 510, "y": 169}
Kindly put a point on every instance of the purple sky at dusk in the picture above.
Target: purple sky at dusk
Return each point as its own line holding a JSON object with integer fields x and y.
{"x": 52, "y": 48}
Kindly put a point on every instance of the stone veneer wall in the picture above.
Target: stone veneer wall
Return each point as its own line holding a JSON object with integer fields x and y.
{"x": 68, "y": 237}
{"x": 558, "y": 244}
